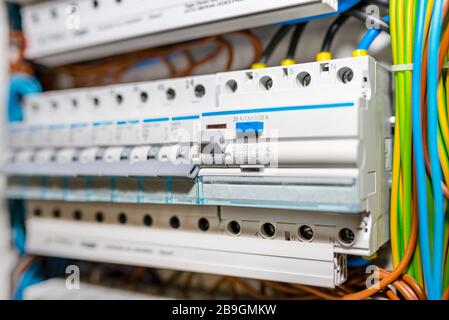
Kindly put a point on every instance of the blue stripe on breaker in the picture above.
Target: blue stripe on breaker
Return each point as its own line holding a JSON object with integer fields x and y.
{"x": 278, "y": 109}
{"x": 79, "y": 125}
{"x": 185, "y": 118}
{"x": 104, "y": 123}
{"x": 226, "y": 112}
{"x": 155, "y": 120}
{"x": 121, "y": 123}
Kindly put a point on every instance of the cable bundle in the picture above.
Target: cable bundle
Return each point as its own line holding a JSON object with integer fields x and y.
{"x": 112, "y": 69}
{"x": 420, "y": 164}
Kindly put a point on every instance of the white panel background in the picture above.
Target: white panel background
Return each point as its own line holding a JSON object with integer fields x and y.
{"x": 6, "y": 256}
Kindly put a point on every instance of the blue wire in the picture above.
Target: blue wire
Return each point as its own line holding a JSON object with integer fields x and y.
{"x": 432, "y": 114}
{"x": 424, "y": 236}
{"x": 29, "y": 278}
{"x": 17, "y": 213}
{"x": 357, "y": 262}
{"x": 146, "y": 63}
{"x": 20, "y": 85}
{"x": 15, "y": 19}
{"x": 343, "y": 5}
{"x": 38, "y": 272}
{"x": 370, "y": 36}
{"x": 19, "y": 239}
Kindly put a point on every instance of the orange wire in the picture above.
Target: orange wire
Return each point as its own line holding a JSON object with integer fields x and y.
{"x": 230, "y": 51}
{"x": 403, "y": 287}
{"x": 249, "y": 290}
{"x": 396, "y": 273}
{"x": 392, "y": 296}
{"x": 446, "y": 294}
{"x": 256, "y": 43}
{"x": 415, "y": 286}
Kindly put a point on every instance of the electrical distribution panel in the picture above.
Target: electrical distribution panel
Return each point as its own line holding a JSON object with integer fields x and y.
{"x": 59, "y": 32}
{"x": 276, "y": 173}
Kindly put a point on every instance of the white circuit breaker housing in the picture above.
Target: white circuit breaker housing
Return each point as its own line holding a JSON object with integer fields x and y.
{"x": 296, "y": 158}
{"x": 60, "y": 32}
